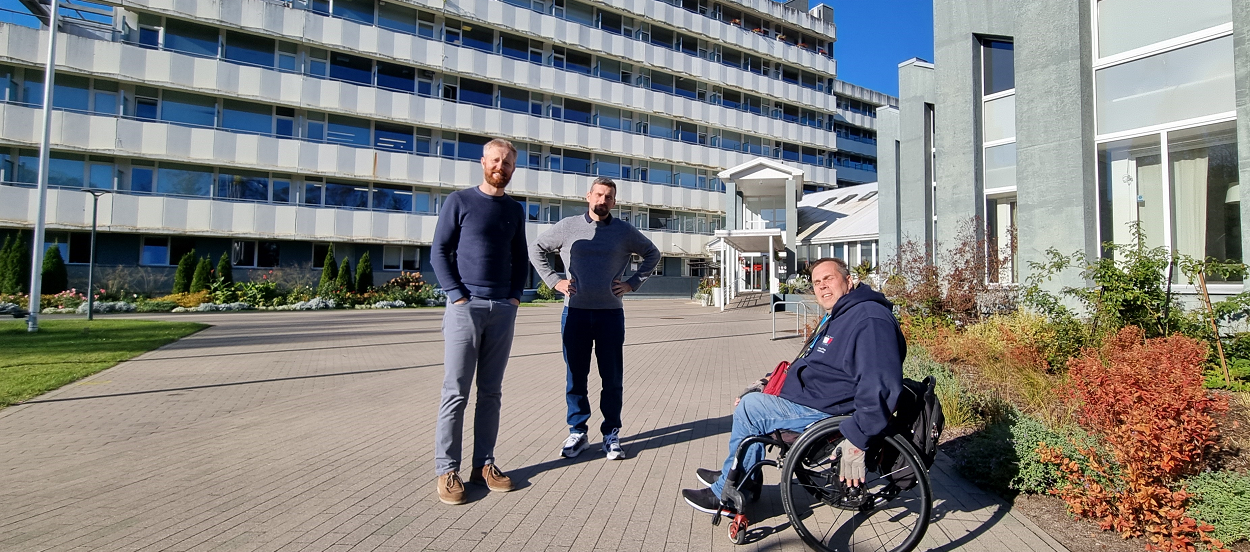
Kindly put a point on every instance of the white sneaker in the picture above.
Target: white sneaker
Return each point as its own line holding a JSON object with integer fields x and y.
{"x": 574, "y": 445}
{"x": 612, "y": 445}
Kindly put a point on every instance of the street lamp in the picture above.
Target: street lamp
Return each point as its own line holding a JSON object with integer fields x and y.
{"x": 95, "y": 211}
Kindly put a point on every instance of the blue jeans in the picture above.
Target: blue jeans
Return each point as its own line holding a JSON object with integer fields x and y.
{"x": 477, "y": 339}
{"x": 758, "y": 414}
{"x": 604, "y": 330}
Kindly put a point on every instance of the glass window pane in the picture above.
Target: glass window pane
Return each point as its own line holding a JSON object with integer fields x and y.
{"x": 312, "y": 194}
{"x": 360, "y": 11}
{"x": 1206, "y": 200}
{"x": 65, "y": 170}
{"x": 1130, "y": 190}
{"x": 998, "y": 62}
{"x": 141, "y": 179}
{"x": 249, "y": 49}
{"x": 392, "y": 257}
{"x": 1181, "y": 84}
{"x": 1000, "y": 166}
{"x": 1127, "y": 24}
{"x": 421, "y": 202}
{"x": 397, "y": 18}
{"x": 397, "y": 77}
{"x": 181, "y": 107}
{"x": 348, "y": 130}
{"x": 351, "y": 68}
{"x": 347, "y": 195}
{"x": 576, "y": 162}
{"x": 243, "y": 253}
{"x": 477, "y": 92}
{"x": 101, "y": 176}
{"x": 187, "y": 180}
{"x": 1000, "y": 119}
{"x": 471, "y": 146}
{"x": 393, "y": 137}
{"x": 243, "y": 185}
{"x": 71, "y": 92}
{"x": 155, "y": 251}
{"x": 514, "y": 99}
{"x": 105, "y": 102}
{"x": 281, "y": 191}
{"x": 191, "y": 38}
{"x": 392, "y": 199}
{"x": 267, "y": 254}
{"x": 246, "y": 116}
{"x": 478, "y": 37}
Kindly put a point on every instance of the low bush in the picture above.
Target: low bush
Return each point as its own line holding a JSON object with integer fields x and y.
{"x": 961, "y": 407}
{"x": 185, "y": 300}
{"x": 262, "y": 293}
{"x": 155, "y": 306}
{"x": 68, "y": 299}
{"x": 299, "y": 294}
{"x": 1145, "y": 400}
{"x": 545, "y": 292}
{"x": 1221, "y": 499}
{"x": 408, "y": 287}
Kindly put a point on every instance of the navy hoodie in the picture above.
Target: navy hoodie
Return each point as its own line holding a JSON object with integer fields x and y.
{"x": 856, "y": 365}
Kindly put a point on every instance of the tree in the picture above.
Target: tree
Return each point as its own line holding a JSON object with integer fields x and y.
{"x": 329, "y": 273}
{"x": 364, "y": 273}
{"x": 8, "y": 269}
{"x": 55, "y": 277}
{"x": 19, "y": 262}
{"x": 345, "y": 281}
{"x": 182, "y": 276}
{"x": 225, "y": 270}
{"x": 200, "y": 281}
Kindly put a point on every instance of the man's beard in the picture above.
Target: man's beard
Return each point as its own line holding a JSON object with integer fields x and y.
{"x": 602, "y": 210}
{"x": 500, "y": 181}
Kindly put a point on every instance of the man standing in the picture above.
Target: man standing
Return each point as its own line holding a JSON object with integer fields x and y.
{"x": 596, "y": 249}
{"x": 479, "y": 259}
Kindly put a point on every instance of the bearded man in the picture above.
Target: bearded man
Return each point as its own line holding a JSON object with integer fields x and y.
{"x": 596, "y": 249}
{"x": 479, "y": 257}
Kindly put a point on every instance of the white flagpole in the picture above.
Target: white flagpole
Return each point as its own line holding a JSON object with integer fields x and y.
{"x": 36, "y": 263}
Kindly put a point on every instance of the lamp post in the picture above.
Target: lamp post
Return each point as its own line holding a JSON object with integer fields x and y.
{"x": 95, "y": 210}
{"x": 36, "y": 261}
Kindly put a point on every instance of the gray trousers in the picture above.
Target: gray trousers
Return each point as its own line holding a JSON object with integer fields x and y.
{"x": 477, "y": 338}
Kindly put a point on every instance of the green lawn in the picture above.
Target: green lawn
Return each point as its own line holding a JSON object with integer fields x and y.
{"x": 64, "y": 351}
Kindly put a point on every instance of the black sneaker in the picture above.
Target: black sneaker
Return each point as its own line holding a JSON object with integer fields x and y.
{"x": 703, "y": 500}
{"x": 707, "y": 477}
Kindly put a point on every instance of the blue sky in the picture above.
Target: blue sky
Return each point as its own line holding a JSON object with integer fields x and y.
{"x": 874, "y": 37}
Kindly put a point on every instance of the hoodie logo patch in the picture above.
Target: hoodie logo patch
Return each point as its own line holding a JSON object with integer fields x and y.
{"x": 827, "y": 340}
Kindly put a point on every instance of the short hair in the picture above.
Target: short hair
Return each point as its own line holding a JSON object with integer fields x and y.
{"x": 603, "y": 181}
{"x": 840, "y": 264}
{"x": 499, "y": 143}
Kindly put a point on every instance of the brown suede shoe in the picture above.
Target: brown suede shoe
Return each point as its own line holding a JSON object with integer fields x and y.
{"x": 490, "y": 476}
{"x": 450, "y": 488}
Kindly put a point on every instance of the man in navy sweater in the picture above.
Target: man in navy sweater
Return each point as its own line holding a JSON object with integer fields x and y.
{"x": 480, "y": 259}
{"x": 852, "y": 365}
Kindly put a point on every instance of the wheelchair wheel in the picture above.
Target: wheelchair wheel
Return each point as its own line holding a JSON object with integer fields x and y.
{"x": 888, "y": 513}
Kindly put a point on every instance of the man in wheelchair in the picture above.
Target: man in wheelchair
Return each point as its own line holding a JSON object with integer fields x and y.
{"x": 853, "y": 364}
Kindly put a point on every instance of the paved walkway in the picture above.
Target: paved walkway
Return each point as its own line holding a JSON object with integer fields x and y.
{"x": 314, "y": 431}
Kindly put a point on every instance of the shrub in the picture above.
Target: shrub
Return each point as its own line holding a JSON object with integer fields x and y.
{"x": 364, "y": 273}
{"x": 329, "y": 273}
{"x": 409, "y": 288}
{"x": 15, "y": 265}
{"x": 225, "y": 269}
{"x": 545, "y": 292}
{"x": 186, "y": 300}
{"x": 155, "y": 306}
{"x": 199, "y": 282}
{"x": 345, "y": 281}
{"x": 261, "y": 294}
{"x": 958, "y": 404}
{"x": 182, "y": 276}
{"x": 1145, "y": 400}
{"x": 68, "y": 299}
{"x": 1221, "y": 499}
{"x": 952, "y": 286}
{"x": 55, "y": 277}
{"x": 299, "y": 294}
{"x": 219, "y": 292}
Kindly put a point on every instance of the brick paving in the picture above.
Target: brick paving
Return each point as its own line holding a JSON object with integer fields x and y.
{"x": 314, "y": 431}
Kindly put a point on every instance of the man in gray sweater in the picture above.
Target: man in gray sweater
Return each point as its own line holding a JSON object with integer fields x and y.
{"x": 596, "y": 249}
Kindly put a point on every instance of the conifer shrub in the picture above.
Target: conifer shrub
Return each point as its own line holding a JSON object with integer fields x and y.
{"x": 329, "y": 273}
{"x": 345, "y": 282}
{"x": 55, "y": 276}
{"x": 15, "y": 266}
{"x": 199, "y": 282}
{"x": 225, "y": 269}
{"x": 364, "y": 274}
{"x": 184, "y": 272}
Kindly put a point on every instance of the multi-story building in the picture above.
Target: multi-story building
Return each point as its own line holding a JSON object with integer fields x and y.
{"x": 1067, "y": 123}
{"x": 274, "y": 129}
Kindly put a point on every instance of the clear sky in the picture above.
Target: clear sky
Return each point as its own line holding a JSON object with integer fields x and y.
{"x": 875, "y": 36}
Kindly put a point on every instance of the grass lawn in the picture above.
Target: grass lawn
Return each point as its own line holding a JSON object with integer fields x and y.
{"x": 64, "y": 351}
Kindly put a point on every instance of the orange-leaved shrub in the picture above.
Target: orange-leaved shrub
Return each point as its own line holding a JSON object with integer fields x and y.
{"x": 1145, "y": 399}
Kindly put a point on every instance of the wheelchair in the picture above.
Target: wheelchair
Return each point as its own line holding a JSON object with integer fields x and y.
{"x": 889, "y": 512}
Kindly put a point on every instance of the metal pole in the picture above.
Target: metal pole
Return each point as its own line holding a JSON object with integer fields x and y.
{"x": 36, "y": 262}
{"x": 95, "y": 210}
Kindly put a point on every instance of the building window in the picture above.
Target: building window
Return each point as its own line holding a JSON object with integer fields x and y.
{"x": 397, "y": 257}
{"x": 998, "y": 65}
{"x": 319, "y": 251}
{"x": 164, "y": 250}
{"x": 1125, "y": 25}
{"x": 1000, "y": 233}
{"x": 1187, "y": 83}
{"x": 1187, "y": 200}
{"x": 250, "y": 253}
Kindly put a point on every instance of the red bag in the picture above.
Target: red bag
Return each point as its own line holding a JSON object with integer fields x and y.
{"x": 777, "y": 379}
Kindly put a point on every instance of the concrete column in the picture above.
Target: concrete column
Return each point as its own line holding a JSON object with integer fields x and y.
{"x": 915, "y": 153}
{"x": 794, "y": 189}
{"x": 1241, "y": 64}
{"x": 888, "y": 198}
{"x": 732, "y": 209}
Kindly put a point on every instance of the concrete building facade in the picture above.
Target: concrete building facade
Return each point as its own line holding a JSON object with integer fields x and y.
{"x": 1065, "y": 123}
{"x": 274, "y": 130}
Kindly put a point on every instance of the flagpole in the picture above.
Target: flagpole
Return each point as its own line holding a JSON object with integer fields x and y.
{"x": 36, "y": 263}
